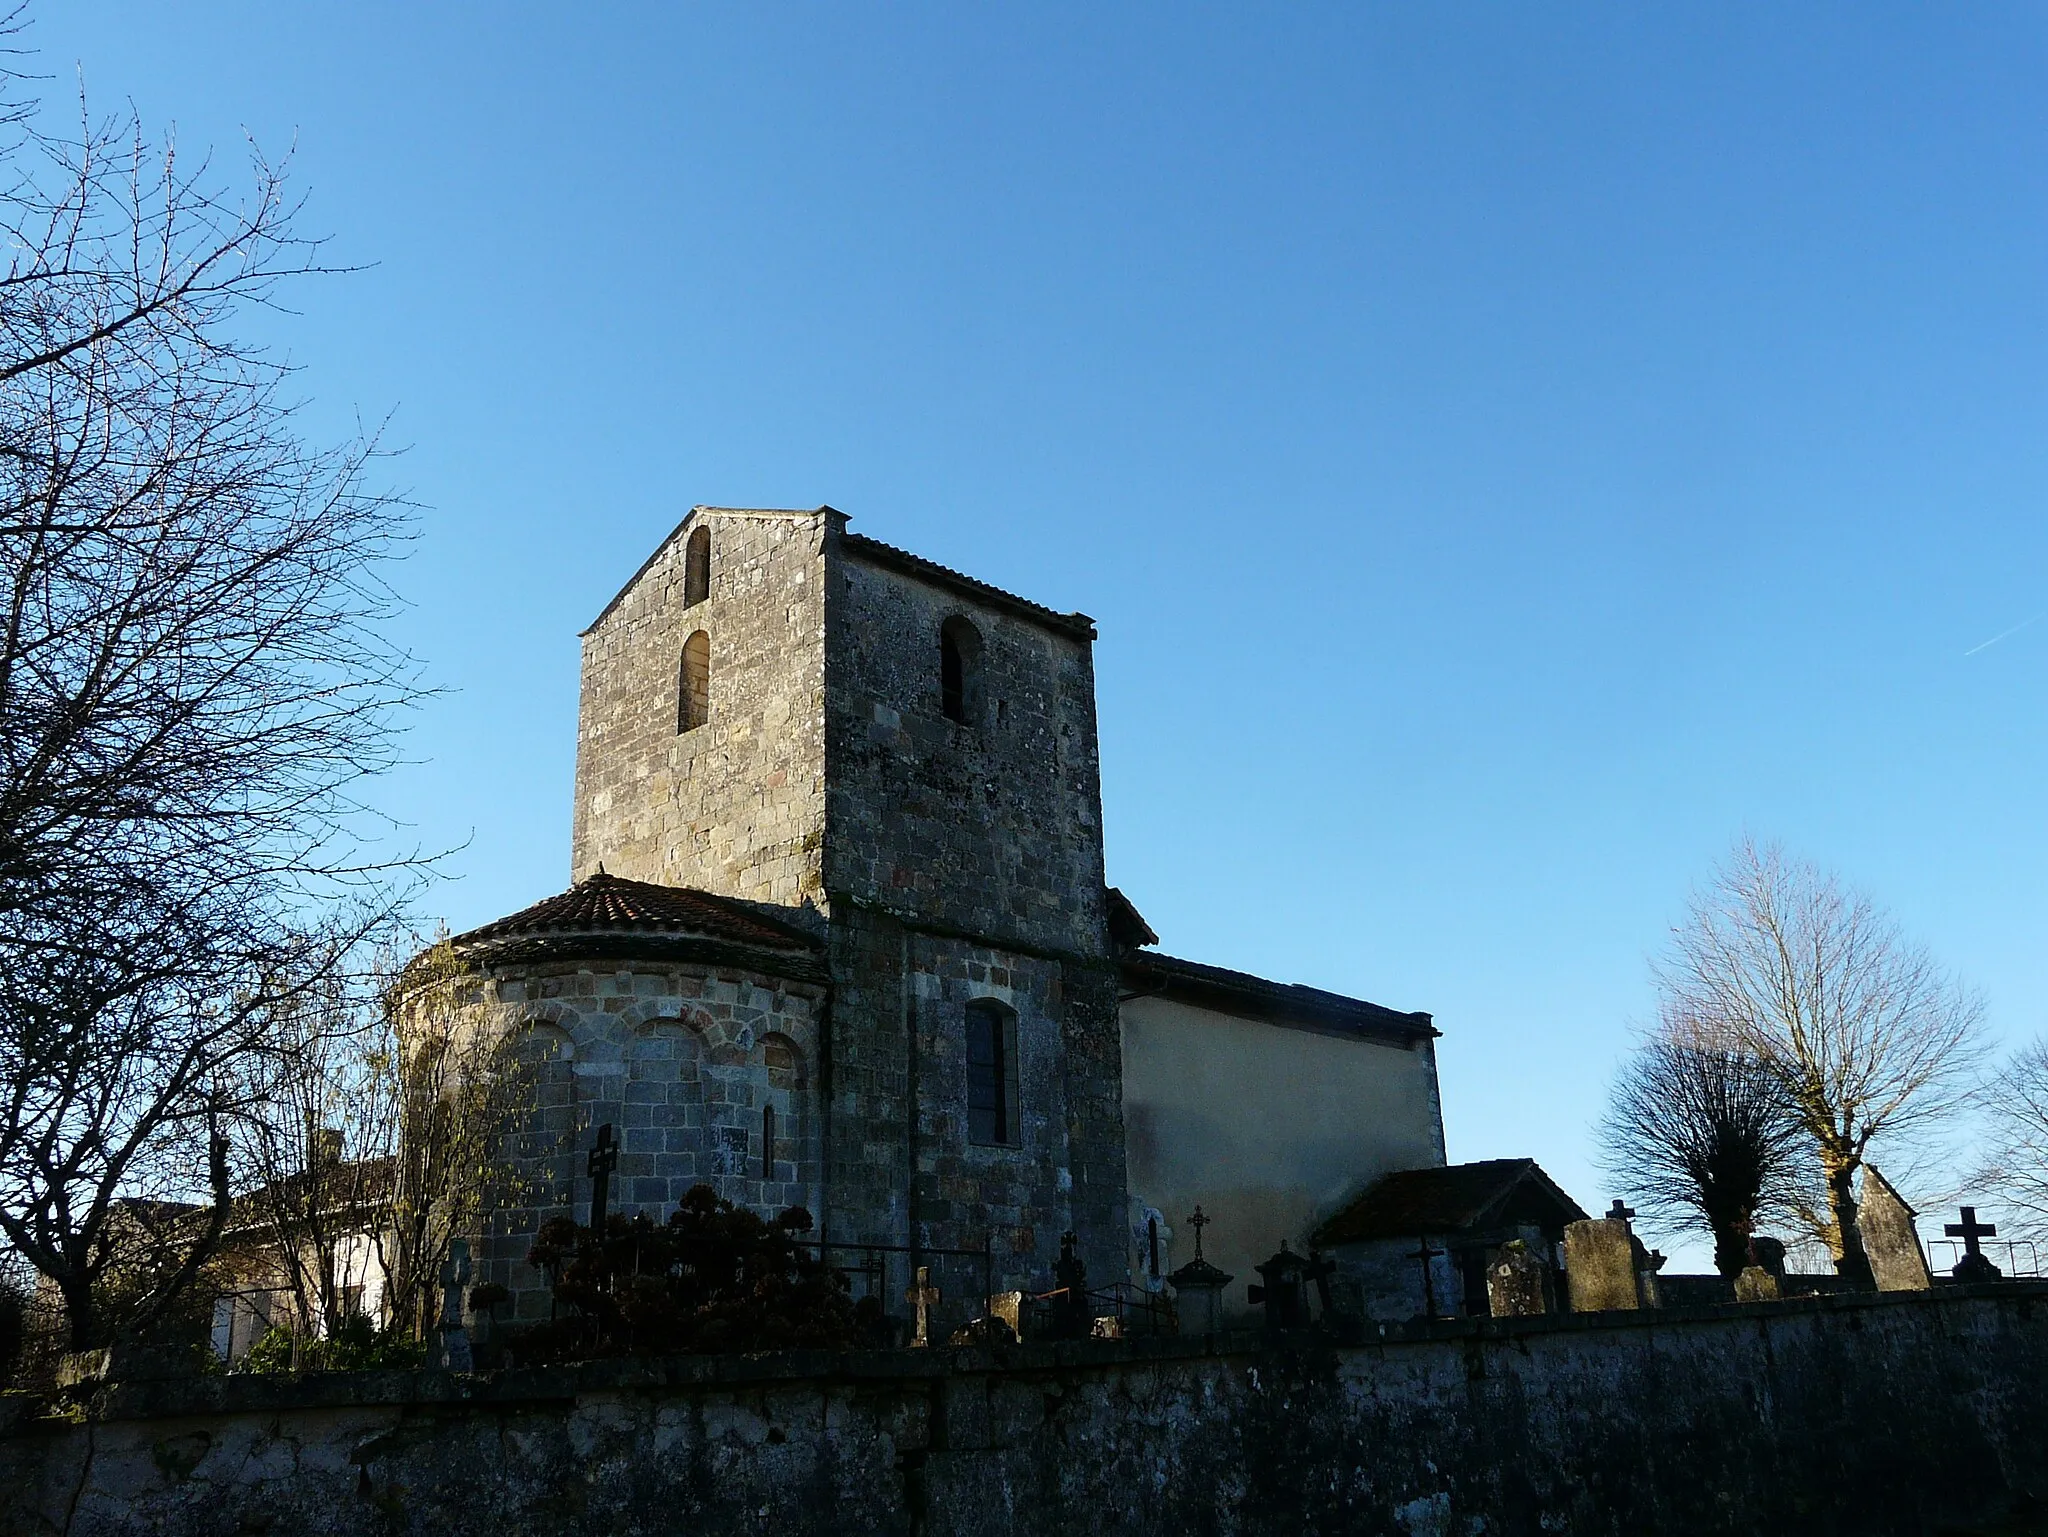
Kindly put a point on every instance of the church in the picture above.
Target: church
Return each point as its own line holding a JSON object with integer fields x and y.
{"x": 838, "y": 936}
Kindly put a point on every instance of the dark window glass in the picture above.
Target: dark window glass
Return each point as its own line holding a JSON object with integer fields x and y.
{"x": 960, "y": 671}
{"x": 988, "y": 1075}
{"x": 697, "y": 568}
{"x": 952, "y": 679}
{"x": 767, "y": 1142}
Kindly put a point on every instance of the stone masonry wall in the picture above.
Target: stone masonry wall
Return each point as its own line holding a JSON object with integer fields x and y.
{"x": 682, "y": 1059}
{"x": 1873, "y": 1416}
{"x": 992, "y": 828}
{"x": 900, "y": 1014}
{"x": 736, "y": 805}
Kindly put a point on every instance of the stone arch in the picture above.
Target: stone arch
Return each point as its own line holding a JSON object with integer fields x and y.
{"x": 693, "y": 684}
{"x": 783, "y": 1146}
{"x": 544, "y": 1137}
{"x": 784, "y": 1061}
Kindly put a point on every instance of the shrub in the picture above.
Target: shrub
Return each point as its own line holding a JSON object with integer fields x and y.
{"x": 356, "y": 1345}
{"x": 715, "y": 1277}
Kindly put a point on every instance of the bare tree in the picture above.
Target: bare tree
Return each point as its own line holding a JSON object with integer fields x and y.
{"x": 316, "y": 1131}
{"x": 377, "y": 1142}
{"x": 193, "y": 692}
{"x": 1866, "y": 1034}
{"x": 2015, "y": 1110}
{"x": 1701, "y": 1136}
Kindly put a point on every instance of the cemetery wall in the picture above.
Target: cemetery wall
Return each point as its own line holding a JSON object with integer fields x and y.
{"x": 1871, "y": 1414}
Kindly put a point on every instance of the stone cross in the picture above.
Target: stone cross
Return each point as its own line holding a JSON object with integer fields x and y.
{"x": 1974, "y": 1265}
{"x": 924, "y": 1297}
{"x": 1619, "y": 1212}
{"x": 604, "y": 1158}
{"x": 455, "y": 1351}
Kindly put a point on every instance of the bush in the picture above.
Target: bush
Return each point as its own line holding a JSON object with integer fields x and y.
{"x": 356, "y": 1345}
{"x": 715, "y": 1277}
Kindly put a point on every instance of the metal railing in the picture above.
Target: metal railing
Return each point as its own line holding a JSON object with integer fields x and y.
{"x": 2014, "y": 1256}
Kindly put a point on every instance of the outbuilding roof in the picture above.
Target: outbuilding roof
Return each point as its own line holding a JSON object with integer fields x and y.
{"x": 1460, "y": 1197}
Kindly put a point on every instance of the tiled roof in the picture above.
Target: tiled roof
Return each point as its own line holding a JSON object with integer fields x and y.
{"x": 1412, "y": 1202}
{"x": 1148, "y": 973}
{"x": 610, "y": 904}
{"x": 1127, "y": 926}
{"x": 946, "y": 576}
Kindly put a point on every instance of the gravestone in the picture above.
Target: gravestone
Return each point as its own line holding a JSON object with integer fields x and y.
{"x": 1280, "y": 1290}
{"x": 1517, "y": 1282}
{"x": 1600, "y": 1265}
{"x": 1890, "y": 1239}
{"x": 1198, "y": 1287}
{"x": 923, "y": 1297}
{"x": 1009, "y": 1307}
{"x": 455, "y": 1353}
{"x": 1756, "y": 1284}
{"x": 1071, "y": 1319}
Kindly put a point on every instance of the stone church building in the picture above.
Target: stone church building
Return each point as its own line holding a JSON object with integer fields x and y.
{"x": 839, "y": 936}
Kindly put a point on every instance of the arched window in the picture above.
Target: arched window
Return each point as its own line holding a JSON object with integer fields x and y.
{"x": 693, "y": 689}
{"x": 960, "y": 671}
{"x": 697, "y": 568}
{"x": 991, "y": 1074}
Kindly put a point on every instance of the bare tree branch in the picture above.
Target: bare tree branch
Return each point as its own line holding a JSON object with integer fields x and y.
{"x": 1868, "y": 1037}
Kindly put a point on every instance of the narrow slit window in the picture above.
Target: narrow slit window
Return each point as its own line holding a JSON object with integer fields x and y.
{"x": 960, "y": 671}
{"x": 697, "y": 568}
{"x": 991, "y": 1075}
{"x": 693, "y": 688}
{"x": 767, "y": 1142}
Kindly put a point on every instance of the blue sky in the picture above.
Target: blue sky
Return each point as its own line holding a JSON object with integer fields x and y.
{"x": 1510, "y": 452}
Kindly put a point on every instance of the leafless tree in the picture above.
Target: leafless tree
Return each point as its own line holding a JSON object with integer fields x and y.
{"x": 1701, "y": 1136}
{"x": 316, "y": 1131}
{"x": 2014, "y": 1105}
{"x": 1867, "y": 1035}
{"x": 193, "y": 690}
{"x": 376, "y": 1142}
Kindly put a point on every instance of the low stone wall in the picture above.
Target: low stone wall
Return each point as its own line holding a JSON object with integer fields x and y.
{"x": 1866, "y": 1415}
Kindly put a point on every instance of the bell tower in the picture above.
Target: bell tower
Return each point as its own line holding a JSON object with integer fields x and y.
{"x": 778, "y": 710}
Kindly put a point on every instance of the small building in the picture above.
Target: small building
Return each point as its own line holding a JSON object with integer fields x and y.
{"x": 1457, "y": 1215}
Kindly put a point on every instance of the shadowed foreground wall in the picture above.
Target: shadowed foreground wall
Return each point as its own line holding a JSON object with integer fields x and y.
{"x": 1859, "y": 1415}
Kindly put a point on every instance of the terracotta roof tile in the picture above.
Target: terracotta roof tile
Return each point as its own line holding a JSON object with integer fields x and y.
{"x": 610, "y": 904}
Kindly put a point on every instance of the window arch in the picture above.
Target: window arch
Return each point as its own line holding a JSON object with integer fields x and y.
{"x": 782, "y": 1126}
{"x": 697, "y": 567}
{"x": 693, "y": 690}
{"x": 991, "y": 1074}
{"x": 960, "y": 671}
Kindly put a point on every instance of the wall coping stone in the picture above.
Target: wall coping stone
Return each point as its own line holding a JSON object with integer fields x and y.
{"x": 109, "y": 1402}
